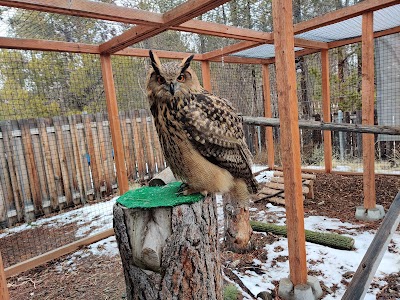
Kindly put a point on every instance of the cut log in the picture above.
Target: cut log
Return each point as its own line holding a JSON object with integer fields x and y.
{"x": 276, "y": 200}
{"x": 273, "y": 191}
{"x": 303, "y": 175}
{"x": 277, "y": 179}
{"x": 168, "y": 244}
{"x": 164, "y": 177}
{"x": 267, "y": 193}
{"x": 280, "y": 186}
{"x": 310, "y": 185}
{"x": 332, "y": 240}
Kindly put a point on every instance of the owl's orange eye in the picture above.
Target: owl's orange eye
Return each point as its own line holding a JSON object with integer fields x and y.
{"x": 181, "y": 78}
{"x": 160, "y": 79}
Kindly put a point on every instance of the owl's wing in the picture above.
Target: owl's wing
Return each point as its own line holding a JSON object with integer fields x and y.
{"x": 216, "y": 131}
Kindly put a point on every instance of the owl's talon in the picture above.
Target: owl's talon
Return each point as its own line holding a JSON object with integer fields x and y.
{"x": 182, "y": 188}
{"x": 186, "y": 190}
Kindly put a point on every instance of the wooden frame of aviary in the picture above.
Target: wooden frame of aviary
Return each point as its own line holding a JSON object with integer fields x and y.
{"x": 181, "y": 18}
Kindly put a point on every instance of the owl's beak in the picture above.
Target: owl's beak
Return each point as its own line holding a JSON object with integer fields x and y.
{"x": 172, "y": 88}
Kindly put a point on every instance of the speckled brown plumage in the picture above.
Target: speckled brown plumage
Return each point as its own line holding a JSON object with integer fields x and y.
{"x": 201, "y": 134}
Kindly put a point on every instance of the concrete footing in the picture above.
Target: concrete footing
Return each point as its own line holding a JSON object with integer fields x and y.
{"x": 310, "y": 291}
{"x": 371, "y": 214}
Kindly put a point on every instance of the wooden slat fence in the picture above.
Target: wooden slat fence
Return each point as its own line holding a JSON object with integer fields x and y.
{"x": 49, "y": 164}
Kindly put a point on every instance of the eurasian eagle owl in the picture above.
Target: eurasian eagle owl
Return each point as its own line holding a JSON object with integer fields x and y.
{"x": 201, "y": 134}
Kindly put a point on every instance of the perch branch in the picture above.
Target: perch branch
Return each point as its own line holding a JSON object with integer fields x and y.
{"x": 315, "y": 125}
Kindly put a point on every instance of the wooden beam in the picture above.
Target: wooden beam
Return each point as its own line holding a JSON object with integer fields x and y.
{"x": 269, "y": 138}
{"x": 378, "y": 34}
{"x": 98, "y": 10}
{"x": 240, "y": 60}
{"x": 343, "y": 14}
{"x": 225, "y": 31}
{"x": 326, "y": 110}
{"x": 43, "y": 45}
{"x": 115, "y": 127}
{"x": 130, "y": 37}
{"x": 110, "y": 12}
{"x": 4, "y": 294}
{"x": 368, "y": 97}
{"x": 139, "y": 52}
{"x": 309, "y": 44}
{"x": 54, "y": 254}
{"x": 189, "y": 10}
{"x": 206, "y": 74}
{"x": 290, "y": 137}
{"x": 315, "y": 125}
{"x": 361, "y": 281}
{"x": 312, "y": 47}
{"x": 89, "y": 9}
{"x": 174, "y": 17}
{"x": 229, "y": 49}
{"x": 267, "y": 61}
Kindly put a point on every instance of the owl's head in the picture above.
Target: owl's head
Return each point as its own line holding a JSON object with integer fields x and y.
{"x": 171, "y": 79}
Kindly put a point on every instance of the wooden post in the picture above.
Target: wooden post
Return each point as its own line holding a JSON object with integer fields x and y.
{"x": 368, "y": 109}
{"x": 206, "y": 73}
{"x": 268, "y": 114}
{"x": 168, "y": 252}
{"x": 4, "y": 295}
{"x": 326, "y": 110}
{"x": 290, "y": 138}
{"x": 112, "y": 108}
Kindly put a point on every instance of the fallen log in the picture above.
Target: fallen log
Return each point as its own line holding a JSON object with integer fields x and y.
{"x": 164, "y": 177}
{"x": 332, "y": 240}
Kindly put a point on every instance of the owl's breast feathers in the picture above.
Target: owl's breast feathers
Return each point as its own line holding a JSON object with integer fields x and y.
{"x": 213, "y": 128}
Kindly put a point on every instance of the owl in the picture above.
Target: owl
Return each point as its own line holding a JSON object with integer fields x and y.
{"x": 201, "y": 135}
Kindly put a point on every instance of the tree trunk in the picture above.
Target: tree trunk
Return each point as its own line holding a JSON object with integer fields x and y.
{"x": 170, "y": 253}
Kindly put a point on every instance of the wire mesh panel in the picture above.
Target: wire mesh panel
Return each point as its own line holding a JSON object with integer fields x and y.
{"x": 387, "y": 66}
{"x": 242, "y": 86}
{"x": 56, "y": 151}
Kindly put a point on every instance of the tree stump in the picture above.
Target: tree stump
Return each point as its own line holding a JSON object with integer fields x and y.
{"x": 168, "y": 244}
{"x": 237, "y": 228}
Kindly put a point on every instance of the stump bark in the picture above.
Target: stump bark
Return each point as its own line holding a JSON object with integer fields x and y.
{"x": 237, "y": 228}
{"x": 170, "y": 252}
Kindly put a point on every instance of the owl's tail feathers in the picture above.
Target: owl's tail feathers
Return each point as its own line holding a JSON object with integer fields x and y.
{"x": 252, "y": 185}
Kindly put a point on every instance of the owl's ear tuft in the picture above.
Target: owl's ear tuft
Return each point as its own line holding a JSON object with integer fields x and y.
{"x": 155, "y": 62}
{"x": 186, "y": 63}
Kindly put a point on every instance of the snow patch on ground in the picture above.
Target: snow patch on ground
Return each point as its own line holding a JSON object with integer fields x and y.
{"x": 91, "y": 219}
{"x": 330, "y": 263}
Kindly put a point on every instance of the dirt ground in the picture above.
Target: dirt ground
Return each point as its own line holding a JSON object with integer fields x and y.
{"x": 101, "y": 277}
